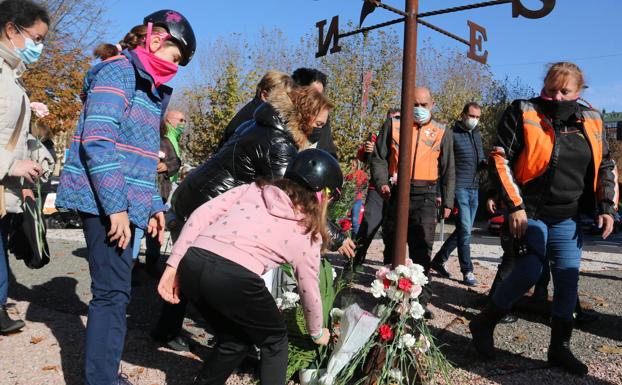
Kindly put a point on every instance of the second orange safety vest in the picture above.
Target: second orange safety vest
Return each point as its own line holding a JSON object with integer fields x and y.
{"x": 426, "y": 150}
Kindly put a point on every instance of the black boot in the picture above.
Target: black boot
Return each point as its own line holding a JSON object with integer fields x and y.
{"x": 7, "y": 325}
{"x": 559, "y": 350}
{"x": 483, "y": 328}
{"x": 584, "y": 316}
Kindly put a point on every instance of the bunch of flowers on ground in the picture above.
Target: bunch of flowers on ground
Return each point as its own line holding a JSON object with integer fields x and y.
{"x": 401, "y": 350}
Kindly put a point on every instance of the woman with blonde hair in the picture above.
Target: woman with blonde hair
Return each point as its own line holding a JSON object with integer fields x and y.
{"x": 551, "y": 162}
{"x": 272, "y": 81}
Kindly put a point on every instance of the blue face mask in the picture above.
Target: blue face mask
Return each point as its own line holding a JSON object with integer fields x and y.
{"x": 422, "y": 115}
{"x": 31, "y": 51}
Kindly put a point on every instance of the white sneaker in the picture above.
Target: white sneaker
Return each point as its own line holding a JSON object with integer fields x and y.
{"x": 469, "y": 279}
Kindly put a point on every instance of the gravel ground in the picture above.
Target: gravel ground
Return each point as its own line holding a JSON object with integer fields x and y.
{"x": 53, "y": 301}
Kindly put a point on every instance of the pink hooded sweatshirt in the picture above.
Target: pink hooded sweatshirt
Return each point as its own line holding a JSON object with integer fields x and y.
{"x": 258, "y": 229}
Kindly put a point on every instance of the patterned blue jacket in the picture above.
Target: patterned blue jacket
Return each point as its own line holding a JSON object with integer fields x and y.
{"x": 113, "y": 156}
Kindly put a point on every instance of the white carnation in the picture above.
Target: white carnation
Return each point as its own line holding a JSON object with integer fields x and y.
{"x": 416, "y": 310}
{"x": 289, "y": 300}
{"x": 419, "y": 278}
{"x": 423, "y": 344}
{"x": 336, "y": 313}
{"x": 395, "y": 294}
{"x": 395, "y": 374}
{"x": 403, "y": 271}
{"x": 377, "y": 289}
{"x": 407, "y": 341}
{"x": 415, "y": 268}
{"x": 392, "y": 276}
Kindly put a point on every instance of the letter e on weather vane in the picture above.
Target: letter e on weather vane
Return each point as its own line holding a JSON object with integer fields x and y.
{"x": 332, "y": 35}
{"x": 518, "y": 9}
{"x": 478, "y": 34}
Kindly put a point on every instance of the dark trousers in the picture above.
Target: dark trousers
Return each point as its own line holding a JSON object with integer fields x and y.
{"x": 241, "y": 310}
{"x": 171, "y": 319}
{"x": 421, "y": 230}
{"x": 111, "y": 271}
{"x": 507, "y": 260}
{"x": 152, "y": 252}
{"x": 372, "y": 219}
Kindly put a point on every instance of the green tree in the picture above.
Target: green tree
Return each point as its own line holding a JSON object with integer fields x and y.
{"x": 351, "y": 121}
{"x": 210, "y": 109}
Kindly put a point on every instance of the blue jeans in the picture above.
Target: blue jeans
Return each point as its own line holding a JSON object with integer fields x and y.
{"x": 561, "y": 244}
{"x": 111, "y": 271}
{"x": 467, "y": 202}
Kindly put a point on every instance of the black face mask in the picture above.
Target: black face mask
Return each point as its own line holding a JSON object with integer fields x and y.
{"x": 315, "y": 135}
{"x": 559, "y": 109}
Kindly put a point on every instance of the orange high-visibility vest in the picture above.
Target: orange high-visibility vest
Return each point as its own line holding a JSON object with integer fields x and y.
{"x": 539, "y": 138}
{"x": 426, "y": 150}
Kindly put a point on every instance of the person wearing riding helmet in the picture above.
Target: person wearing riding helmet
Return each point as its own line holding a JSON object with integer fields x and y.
{"x": 213, "y": 252}
{"x": 110, "y": 174}
{"x": 259, "y": 148}
{"x": 551, "y": 161}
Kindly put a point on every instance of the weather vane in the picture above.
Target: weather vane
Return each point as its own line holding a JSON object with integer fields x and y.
{"x": 328, "y": 40}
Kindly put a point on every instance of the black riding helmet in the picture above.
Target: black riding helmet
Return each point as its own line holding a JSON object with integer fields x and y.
{"x": 180, "y": 30}
{"x": 316, "y": 169}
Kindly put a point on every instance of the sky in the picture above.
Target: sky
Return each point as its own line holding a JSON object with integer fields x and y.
{"x": 585, "y": 32}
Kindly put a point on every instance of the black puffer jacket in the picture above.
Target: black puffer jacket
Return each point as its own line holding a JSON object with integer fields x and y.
{"x": 260, "y": 148}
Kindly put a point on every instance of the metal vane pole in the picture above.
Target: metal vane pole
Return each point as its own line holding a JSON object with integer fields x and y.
{"x": 409, "y": 74}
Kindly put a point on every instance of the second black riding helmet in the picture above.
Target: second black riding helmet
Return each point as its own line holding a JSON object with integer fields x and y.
{"x": 317, "y": 169}
{"x": 179, "y": 28}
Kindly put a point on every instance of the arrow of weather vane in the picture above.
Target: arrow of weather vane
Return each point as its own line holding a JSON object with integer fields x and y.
{"x": 478, "y": 33}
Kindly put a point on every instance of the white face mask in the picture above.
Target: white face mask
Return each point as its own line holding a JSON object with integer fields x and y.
{"x": 422, "y": 115}
{"x": 470, "y": 123}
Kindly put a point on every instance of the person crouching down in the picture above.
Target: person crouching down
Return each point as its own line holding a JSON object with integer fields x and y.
{"x": 230, "y": 241}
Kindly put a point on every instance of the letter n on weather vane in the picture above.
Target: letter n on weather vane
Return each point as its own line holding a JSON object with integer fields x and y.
{"x": 478, "y": 35}
{"x": 324, "y": 41}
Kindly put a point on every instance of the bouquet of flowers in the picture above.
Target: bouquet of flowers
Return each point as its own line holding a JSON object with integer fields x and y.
{"x": 401, "y": 350}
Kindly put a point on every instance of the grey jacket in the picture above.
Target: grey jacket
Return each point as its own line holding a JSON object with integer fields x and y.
{"x": 14, "y": 111}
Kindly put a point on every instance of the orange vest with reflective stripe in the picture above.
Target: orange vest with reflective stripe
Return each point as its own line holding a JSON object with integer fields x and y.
{"x": 539, "y": 141}
{"x": 539, "y": 138}
{"x": 426, "y": 149}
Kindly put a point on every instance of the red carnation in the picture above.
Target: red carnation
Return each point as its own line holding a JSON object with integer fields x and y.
{"x": 404, "y": 284}
{"x": 386, "y": 334}
{"x": 374, "y": 137}
{"x": 387, "y": 283}
{"x": 346, "y": 224}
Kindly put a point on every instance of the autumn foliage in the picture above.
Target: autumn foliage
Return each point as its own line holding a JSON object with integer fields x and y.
{"x": 56, "y": 81}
